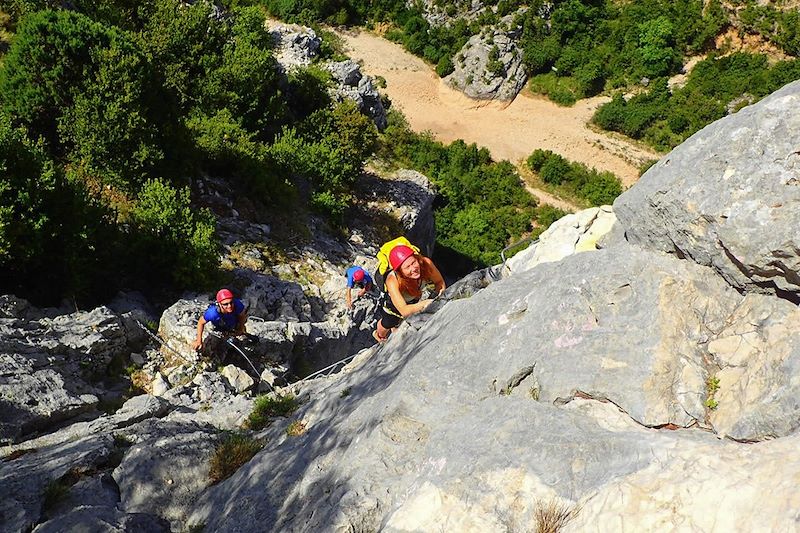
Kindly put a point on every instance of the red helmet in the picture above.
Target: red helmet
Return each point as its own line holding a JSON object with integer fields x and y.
{"x": 224, "y": 294}
{"x": 358, "y": 275}
{"x": 398, "y": 256}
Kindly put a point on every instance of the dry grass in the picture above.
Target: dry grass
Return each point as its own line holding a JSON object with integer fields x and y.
{"x": 296, "y": 429}
{"x": 552, "y": 515}
{"x": 234, "y": 451}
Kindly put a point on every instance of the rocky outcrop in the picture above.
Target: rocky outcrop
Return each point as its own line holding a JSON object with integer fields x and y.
{"x": 489, "y": 66}
{"x": 726, "y": 198}
{"x": 601, "y": 381}
{"x": 52, "y": 368}
{"x": 295, "y": 46}
{"x": 351, "y": 84}
{"x": 298, "y": 46}
{"x": 577, "y": 232}
{"x": 407, "y": 196}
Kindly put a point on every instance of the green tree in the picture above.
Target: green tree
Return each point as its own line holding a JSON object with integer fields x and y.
{"x": 656, "y": 41}
{"x": 172, "y": 244}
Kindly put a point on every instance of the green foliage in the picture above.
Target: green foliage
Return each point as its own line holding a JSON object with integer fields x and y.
{"x": 712, "y": 386}
{"x": 231, "y": 453}
{"x": 55, "y": 492}
{"x": 173, "y": 242}
{"x": 564, "y": 91}
{"x": 599, "y": 44}
{"x": 482, "y": 205}
{"x": 444, "y": 66}
{"x": 599, "y": 188}
{"x": 268, "y": 407}
{"x": 43, "y": 216}
{"x": 656, "y": 41}
{"x": 328, "y": 149}
{"x": 664, "y": 119}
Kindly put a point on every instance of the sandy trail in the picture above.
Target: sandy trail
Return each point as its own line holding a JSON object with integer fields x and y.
{"x": 509, "y": 131}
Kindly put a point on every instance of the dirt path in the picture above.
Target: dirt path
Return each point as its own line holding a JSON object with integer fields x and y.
{"x": 510, "y": 132}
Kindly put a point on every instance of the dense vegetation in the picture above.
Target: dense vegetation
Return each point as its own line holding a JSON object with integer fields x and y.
{"x": 576, "y": 179}
{"x": 482, "y": 205}
{"x": 715, "y": 87}
{"x": 578, "y": 48}
{"x": 107, "y": 111}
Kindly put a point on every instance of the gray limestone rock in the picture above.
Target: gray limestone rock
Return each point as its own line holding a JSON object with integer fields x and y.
{"x": 726, "y": 198}
{"x": 351, "y": 84}
{"x": 758, "y": 355}
{"x": 103, "y": 518}
{"x": 409, "y": 196}
{"x": 489, "y": 66}
{"x": 166, "y": 469}
{"x": 26, "y": 478}
{"x": 295, "y": 46}
{"x": 477, "y": 401}
{"x": 577, "y": 232}
{"x": 51, "y": 364}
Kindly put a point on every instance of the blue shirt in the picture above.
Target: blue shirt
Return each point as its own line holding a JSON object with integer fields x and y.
{"x": 351, "y": 282}
{"x": 224, "y": 321}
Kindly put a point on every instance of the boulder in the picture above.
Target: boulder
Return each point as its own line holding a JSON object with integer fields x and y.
{"x": 408, "y": 197}
{"x": 577, "y": 232}
{"x": 351, "y": 84}
{"x": 51, "y": 365}
{"x": 103, "y": 518}
{"x": 489, "y": 66}
{"x": 295, "y": 46}
{"x": 28, "y": 477}
{"x": 726, "y": 198}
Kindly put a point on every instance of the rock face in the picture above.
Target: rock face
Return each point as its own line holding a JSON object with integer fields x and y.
{"x": 726, "y": 198}
{"x": 408, "y": 197}
{"x": 634, "y": 389}
{"x": 51, "y": 367}
{"x": 295, "y": 46}
{"x": 577, "y": 232}
{"x": 489, "y": 66}
{"x": 601, "y": 381}
{"x": 351, "y": 84}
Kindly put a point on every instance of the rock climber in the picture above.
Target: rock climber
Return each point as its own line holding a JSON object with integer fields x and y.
{"x": 409, "y": 273}
{"x": 227, "y": 314}
{"x": 357, "y": 277}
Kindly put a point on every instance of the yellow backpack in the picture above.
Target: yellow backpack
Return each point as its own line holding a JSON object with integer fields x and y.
{"x": 383, "y": 253}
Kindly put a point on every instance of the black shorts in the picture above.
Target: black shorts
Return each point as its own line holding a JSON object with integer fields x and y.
{"x": 390, "y": 316}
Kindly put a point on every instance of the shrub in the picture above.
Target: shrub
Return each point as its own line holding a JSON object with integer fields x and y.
{"x": 267, "y": 407}
{"x": 445, "y": 66}
{"x": 555, "y": 170}
{"x": 234, "y": 450}
{"x": 173, "y": 243}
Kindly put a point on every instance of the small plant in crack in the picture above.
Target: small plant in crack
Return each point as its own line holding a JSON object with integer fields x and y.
{"x": 712, "y": 386}
{"x": 551, "y": 516}
{"x": 296, "y": 429}
{"x": 234, "y": 450}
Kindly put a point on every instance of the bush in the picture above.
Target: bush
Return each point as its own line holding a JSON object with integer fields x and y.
{"x": 267, "y": 407}
{"x": 234, "y": 451}
{"x": 173, "y": 244}
{"x": 598, "y": 188}
{"x": 43, "y": 216}
{"x": 445, "y": 66}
